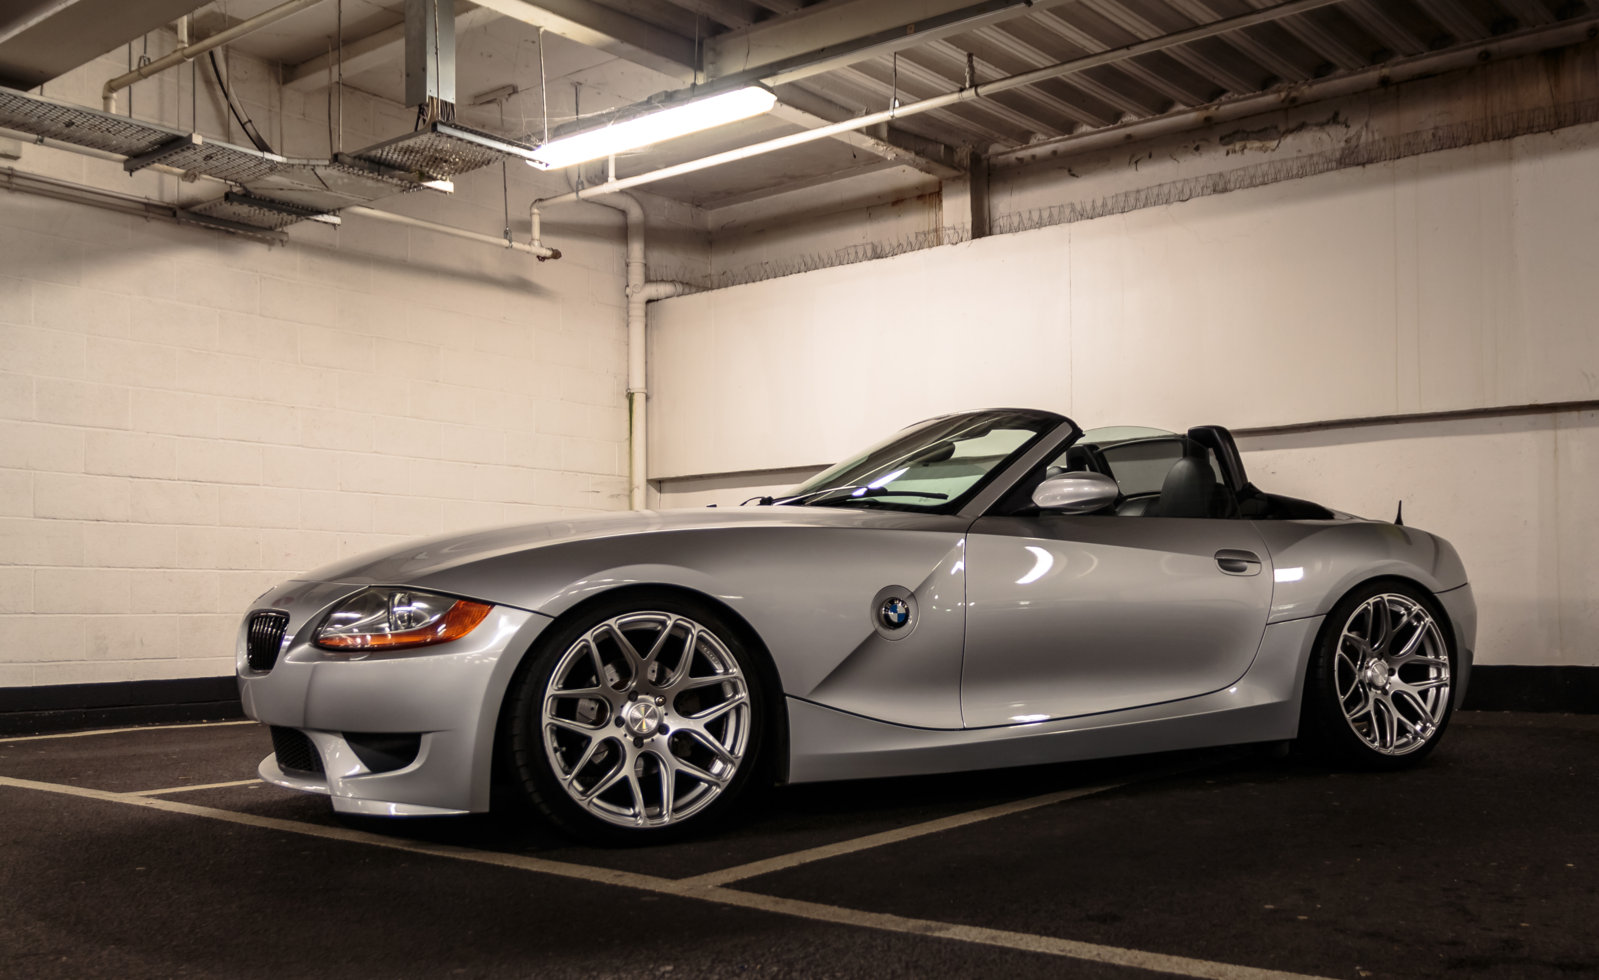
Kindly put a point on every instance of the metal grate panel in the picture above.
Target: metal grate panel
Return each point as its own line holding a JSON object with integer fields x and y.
{"x": 443, "y": 151}
{"x": 257, "y": 212}
{"x": 231, "y": 163}
{"x": 142, "y": 142}
{"x": 79, "y": 125}
{"x": 264, "y": 639}
{"x": 295, "y": 751}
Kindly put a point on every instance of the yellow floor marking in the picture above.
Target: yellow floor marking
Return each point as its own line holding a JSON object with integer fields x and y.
{"x": 191, "y": 788}
{"x": 813, "y": 911}
{"x": 822, "y": 853}
{"x": 129, "y": 728}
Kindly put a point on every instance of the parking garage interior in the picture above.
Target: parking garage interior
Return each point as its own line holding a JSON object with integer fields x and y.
{"x": 282, "y": 283}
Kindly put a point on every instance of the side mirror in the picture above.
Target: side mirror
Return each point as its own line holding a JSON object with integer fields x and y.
{"x": 1076, "y": 493}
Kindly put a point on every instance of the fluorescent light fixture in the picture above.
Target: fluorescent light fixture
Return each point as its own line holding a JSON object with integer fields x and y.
{"x": 653, "y": 127}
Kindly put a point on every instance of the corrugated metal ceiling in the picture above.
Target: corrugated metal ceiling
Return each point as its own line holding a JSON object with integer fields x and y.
{"x": 831, "y": 60}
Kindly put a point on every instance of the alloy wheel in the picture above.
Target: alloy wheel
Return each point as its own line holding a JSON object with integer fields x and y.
{"x": 1391, "y": 674}
{"x": 646, "y": 719}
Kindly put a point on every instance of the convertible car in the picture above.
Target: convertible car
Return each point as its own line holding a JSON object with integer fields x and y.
{"x": 994, "y": 588}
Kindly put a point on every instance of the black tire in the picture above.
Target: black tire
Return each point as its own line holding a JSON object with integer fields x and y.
{"x": 1379, "y": 690}
{"x": 626, "y": 754}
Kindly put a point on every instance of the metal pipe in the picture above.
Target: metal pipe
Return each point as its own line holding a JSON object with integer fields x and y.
{"x": 108, "y": 93}
{"x": 984, "y": 90}
{"x": 20, "y": 181}
{"x": 636, "y": 377}
{"x": 640, "y": 291}
{"x": 540, "y": 251}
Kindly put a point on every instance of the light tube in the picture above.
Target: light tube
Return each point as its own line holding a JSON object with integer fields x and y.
{"x": 654, "y": 127}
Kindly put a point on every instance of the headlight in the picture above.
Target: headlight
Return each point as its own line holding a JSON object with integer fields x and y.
{"x": 389, "y": 619}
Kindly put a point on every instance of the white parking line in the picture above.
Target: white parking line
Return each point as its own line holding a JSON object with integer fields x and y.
{"x": 822, "y": 853}
{"x": 130, "y": 728}
{"x": 814, "y": 911}
{"x": 191, "y": 788}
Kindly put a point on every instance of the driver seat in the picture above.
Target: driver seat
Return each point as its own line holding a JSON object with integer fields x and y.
{"x": 1189, "y": 490}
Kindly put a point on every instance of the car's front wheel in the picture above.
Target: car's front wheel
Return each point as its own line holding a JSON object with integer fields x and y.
{"x": 1379, "y": 691}
{"x": 637, "y": 720}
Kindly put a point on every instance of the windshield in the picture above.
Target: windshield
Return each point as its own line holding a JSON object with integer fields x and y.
{"x": 935, "y": 466}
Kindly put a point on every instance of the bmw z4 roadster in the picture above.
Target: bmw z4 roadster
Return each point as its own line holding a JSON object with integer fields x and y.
{"x": 995, "y": 588}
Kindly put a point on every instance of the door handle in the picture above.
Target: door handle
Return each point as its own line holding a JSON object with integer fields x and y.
{"x": 1235, "y": 562}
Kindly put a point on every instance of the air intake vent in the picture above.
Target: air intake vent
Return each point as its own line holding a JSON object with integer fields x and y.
{"x": 295, "y": 751}
{"x": 264, "y": 639}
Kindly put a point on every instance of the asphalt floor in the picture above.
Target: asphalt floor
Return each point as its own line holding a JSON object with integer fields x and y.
{"x": 154, "y": 852}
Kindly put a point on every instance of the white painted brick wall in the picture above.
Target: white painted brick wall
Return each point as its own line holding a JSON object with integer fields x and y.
{"x": 187, "y": 418}
{"x": 164, "y": 459}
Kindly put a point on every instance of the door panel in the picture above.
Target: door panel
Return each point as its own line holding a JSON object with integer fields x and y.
{"x": 1070, "y": 616}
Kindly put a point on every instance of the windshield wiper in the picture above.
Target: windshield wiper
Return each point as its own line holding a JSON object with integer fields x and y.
{"x": 855, "y": 493}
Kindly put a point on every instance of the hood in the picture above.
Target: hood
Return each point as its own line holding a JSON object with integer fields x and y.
{"x": 413, "y": 560}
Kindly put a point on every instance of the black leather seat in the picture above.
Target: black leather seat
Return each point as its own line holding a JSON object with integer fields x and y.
{"x": 1189, "y": 490}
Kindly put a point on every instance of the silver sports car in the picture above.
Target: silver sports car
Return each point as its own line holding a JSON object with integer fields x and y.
{"x": 995, "y": 588}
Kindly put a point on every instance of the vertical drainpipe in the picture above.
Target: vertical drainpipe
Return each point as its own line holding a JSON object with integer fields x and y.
{"x": 639, "y": 292}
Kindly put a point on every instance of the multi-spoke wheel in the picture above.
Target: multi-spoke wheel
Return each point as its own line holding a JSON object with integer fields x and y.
{"x": 634, "y": 721}
{"x": 1379, "y": 691}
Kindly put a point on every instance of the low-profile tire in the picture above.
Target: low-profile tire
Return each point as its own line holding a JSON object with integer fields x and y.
{"x": 1380, "y": 688}
{"x": 637, "y": 721}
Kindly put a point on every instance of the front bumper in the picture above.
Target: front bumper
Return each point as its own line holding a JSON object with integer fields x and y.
{"x": 448, "y": 696}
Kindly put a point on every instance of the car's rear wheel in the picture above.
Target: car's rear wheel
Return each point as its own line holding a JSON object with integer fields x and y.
{"x": 637, "y": 720}
{"x": 1379, "y": 691}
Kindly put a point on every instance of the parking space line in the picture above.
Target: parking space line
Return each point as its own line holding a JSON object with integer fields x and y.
{"x": 825, "y": 851}
{"x": 129, "y": 728}
{"x": 814, "y": 911}
{"x": 191, "y": 788}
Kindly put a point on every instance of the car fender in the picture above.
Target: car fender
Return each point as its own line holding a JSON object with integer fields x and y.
{"x": 808, "y": 592}
{"x": 1316, "y": 563}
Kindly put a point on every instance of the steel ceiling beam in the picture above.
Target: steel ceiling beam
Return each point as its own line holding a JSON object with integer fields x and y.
{"x": 843, "y": 32}
{"x": 1200, "y": 12}
{"x": 1093, "y": 45}
{"x": 1455, "y": 19}
{"x": 604, "y": 29}
{"x": 1196, "y": 61}
{"x": 1026, "y": 56}
{"x": 981, "y": 91}
{"x": 1323, "y": 42}
{"x": 1531, "y": 13}
{"x": 915, "y": 67}
{"x": 735, "y": 14}
{"x": 975, "y": 129}
{"x": 809, "y": 111}
{"x": 1371, "y": 16}
{"x": 41, "y": 40}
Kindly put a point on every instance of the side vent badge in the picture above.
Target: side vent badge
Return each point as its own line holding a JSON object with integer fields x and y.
{"x": 893, "y": 612}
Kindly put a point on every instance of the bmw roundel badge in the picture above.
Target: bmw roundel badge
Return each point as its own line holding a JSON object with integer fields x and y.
{"x": 896, "y": 612}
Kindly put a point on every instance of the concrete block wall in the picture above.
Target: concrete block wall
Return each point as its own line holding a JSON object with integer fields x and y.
{"x": 188, "y": 417}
